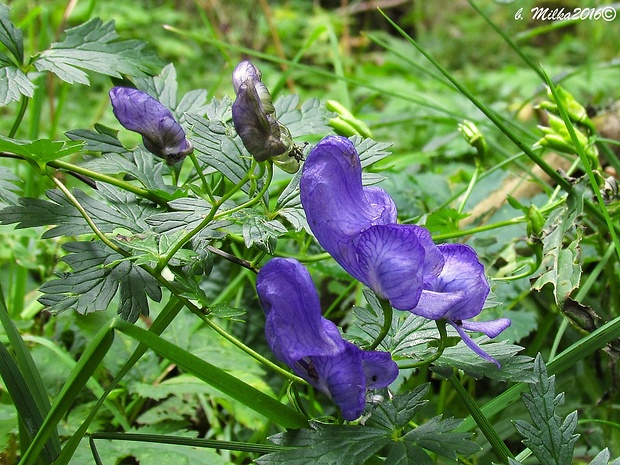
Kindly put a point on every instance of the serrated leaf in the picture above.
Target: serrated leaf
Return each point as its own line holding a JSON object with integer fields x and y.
{"x": 436, "y": 435}
{"x": 217, "y": 146}
{"x": 326, "y": 445}
{"x": 310, "y": 118}
{"x": 98, "y": 141}
{"x": 513, "y": 367}
{"x": 10, "y": 184}
{"x": 10, "y": 36}
{"x": 40, "y": 151}
{"x": 185, "y": 215}
{"x": 406, "y": 453}
{"x": 13, "y": 84}
{"x": 93, "y": 283}
{"x": 121, "y": 210}
{"x": 369, "y": 150}
{"x": 560, "y": 266}
{"x": 549, "y": 438}
{"x": 258, "y": 230}
{"x": 400, "y": 410}
{"x": 409, "y": 336}
{"x": 95, "y": 46}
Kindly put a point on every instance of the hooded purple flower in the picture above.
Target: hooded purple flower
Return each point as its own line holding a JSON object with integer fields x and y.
{"x": 254, "y": 118}
{"x": 357, "y": 226}
{"x": 161, "y": 134}
{"x": 312, "y": 345}
{"x": 401, "y": 263}
{"x": 459, "y": 293}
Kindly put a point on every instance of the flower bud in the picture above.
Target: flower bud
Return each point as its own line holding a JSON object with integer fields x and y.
{"x": 474, "y": 137}
{"x": 161, "y": 134}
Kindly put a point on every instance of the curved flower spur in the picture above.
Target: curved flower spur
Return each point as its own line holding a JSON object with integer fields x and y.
{"x": 311, "y": 345}
{"x": 254, "y": 118}
{"x": 161, "y": 134}
{"x": 400, "y": 263}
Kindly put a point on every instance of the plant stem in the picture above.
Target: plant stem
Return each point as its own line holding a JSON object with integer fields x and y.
{"x": 443, "y": 339}
{"x": 387, "y": 323}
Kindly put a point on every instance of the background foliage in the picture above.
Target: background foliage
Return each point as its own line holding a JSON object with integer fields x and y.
{"x": 547, "y": 242}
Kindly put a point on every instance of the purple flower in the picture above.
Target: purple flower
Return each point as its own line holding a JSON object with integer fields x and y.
{"x": 458, "y": 294}
{"x": 311, "y": 345}
{"x": 161, "y": 134}
{"x": 357, "y": 226}
{"x": 401, "y": 263}
{"x": 254, "y": 118}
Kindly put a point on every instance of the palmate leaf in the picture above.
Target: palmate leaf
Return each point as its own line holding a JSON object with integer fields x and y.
{"x": 551, "y": 439}
{"x": 121, "y": 209}
{"x": 513, "y": 367}
{"x": 310, "y": 118}
{"x": 98, "y": 273}
{"x": 258, "y": 230}
{"x": 40, "y": 151}
{"x": 384, "y": 431}
{"x": 560, "y": 265}
{"x": 95, "y": 46}
{"x": 10, "y": 184}
{"x": 13, "y": 84}
{"x": 103, "y": 140}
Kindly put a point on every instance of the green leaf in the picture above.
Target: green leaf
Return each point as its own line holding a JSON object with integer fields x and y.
{"x": 186, "y": 214}
{"x": 370, "y": 151}
{"x": 551, "y": 439}
{"x": 120, "y": 210}
{"x": 94, "y": 282}
{"x": 327, "y": 445}
{"x": 10, "y": 36}
{"x": 40, "y": 151}
{"x": 460, "y": 357}
{"x": 13, "y": 84}
{"x": 95, "y": 46}
{"x": 311, "y": 118}
{"x": 398, "y": 412}
{"x": 602, "y": 458}
{"x": 560, "y": 265}
{"x": 436, "y": 435}
{"x": 217, "y": 146}
{"x": 258, "y": 230}
{"x": 102, "y": 140}
{"x": 10, "y": 184}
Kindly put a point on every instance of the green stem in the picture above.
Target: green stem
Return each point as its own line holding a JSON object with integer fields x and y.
{"x": 443, "y": 339}
{"x": 387, "y": 323}
{"x": 205, "y": 184}
{"x": 483, "y": 423}
{"x": 20, "y": 116}
{"x": 254, "y": 199}
{"x": 108, "y": 180}
{"x": 102, "y": 237}
{"x": 470, "y": 187}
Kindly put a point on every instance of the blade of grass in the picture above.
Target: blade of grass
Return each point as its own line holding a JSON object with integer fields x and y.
{"x": 216, "y": 377}
{"x": 163, "y": 320}
{"x": 86, "y": 365}
{"x": 192, "y": 442}
{"x": 28, "y": 370}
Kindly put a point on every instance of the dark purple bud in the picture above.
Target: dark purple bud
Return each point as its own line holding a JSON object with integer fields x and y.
{"x": 254, "y": 118}
{"x": 161, "y": 134}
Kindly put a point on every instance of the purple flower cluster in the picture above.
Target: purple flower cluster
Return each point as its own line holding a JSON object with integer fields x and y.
{"x": 161, "y": 134}
{"x": 358, "y": 226}
{"x": 399, "y": 262}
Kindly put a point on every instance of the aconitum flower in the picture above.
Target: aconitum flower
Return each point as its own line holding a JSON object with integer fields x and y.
{"x": 254, "y": 118}
{"x": 458, "y": 294}
{"x": 357, "y": 226}
{"x": 161, "y": 134}
{"x": 400, "y": 263}
{"x": 311, "y": 345}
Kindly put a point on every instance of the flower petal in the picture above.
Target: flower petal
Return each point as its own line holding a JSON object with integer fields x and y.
{"x": 161, "y": 133}
{"x": 379, "y": 368}
{"x": 459, "y": 292}
{"x": 294, "y": 328}
{"x": 472, "y": 345}
{"x": 389, "y": 259}
{"x": 337, "y": 206}
{"x": 491, "y": 328}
